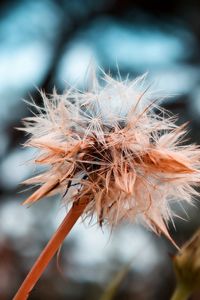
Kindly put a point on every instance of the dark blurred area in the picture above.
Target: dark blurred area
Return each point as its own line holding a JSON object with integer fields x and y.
{"x": 51, "y": 43}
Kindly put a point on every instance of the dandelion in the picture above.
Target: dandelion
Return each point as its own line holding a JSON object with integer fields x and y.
{"x": 112, "y": 152}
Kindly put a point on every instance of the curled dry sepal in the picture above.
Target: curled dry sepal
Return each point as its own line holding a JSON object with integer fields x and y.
{"x": 117, "y": 149}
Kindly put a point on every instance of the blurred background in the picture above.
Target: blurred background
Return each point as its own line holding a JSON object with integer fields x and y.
{"x": 51, "y": 43}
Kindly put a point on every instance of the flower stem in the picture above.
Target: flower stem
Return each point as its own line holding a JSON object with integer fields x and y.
{"x": 181, "y": 292}
{"x": 50, "y": 250}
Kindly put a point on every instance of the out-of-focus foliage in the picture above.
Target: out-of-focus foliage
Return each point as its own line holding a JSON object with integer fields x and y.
{"x": 51, "y": 43}
{"x": 115, "y": 282}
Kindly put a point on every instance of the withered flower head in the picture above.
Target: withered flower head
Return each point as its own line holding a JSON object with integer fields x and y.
{"x": 116, "y": 148}
{"x": 187, "y": 265}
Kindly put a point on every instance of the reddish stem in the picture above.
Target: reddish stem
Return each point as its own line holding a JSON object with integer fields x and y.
{"x": 49, "y": 251}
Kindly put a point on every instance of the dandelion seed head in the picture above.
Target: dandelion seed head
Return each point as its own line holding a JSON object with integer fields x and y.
{"x": 117, "y": 148}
